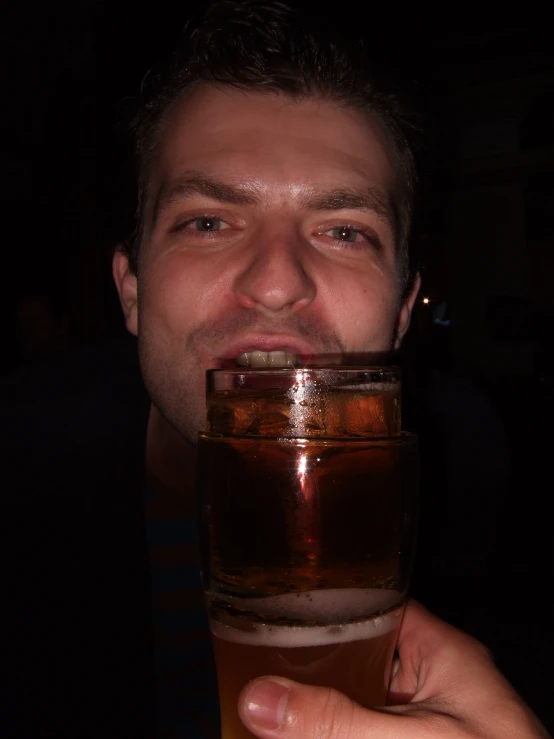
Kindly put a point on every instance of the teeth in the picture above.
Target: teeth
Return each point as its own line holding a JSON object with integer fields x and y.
{"x": 278, "y": 359}
{"x": 258, "y": 358}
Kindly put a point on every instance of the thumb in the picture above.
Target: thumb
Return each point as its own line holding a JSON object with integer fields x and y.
{"x": 273, "y": 707}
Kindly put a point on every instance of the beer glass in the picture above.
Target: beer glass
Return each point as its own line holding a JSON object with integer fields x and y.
{"x": 307, "y": 490}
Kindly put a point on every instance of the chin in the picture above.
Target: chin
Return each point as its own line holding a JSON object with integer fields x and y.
{"x": 189, "y": 428}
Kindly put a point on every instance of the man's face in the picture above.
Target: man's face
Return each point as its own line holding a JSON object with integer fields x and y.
{"x": 269, "y": 239}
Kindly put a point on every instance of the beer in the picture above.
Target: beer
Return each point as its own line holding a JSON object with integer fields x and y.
{"x": 295, "y": 515}
{"x": 308, "y": 551}
{"x": 353, "y": 657}
{"x": 304, "y": 410}
{"x": 308, "y": 510}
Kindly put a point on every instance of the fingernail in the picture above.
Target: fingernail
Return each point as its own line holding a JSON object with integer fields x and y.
{"x": 266, "y": 704}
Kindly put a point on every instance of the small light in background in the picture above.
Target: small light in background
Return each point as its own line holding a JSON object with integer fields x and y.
{"x": 426, "y": 301}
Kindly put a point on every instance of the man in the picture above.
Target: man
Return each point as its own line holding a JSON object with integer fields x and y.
{"x": 276, "y": 188}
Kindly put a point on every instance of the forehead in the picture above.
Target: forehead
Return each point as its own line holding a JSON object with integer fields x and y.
{"x": 272, "y": 141}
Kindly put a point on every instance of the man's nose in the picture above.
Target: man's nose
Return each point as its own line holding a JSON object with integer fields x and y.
{"x": 275, "y": 276}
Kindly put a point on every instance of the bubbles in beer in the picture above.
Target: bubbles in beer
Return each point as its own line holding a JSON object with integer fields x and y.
{"x": 306, "y": 412}
{"x": 332, "y": 605}
{"x": 315, "y": 618}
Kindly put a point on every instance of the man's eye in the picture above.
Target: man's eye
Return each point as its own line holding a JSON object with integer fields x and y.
{"x": 206, "y": 223}
{"x": 345, "y": 233}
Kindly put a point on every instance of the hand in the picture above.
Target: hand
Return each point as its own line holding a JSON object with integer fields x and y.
{"x": 444, "y": 684}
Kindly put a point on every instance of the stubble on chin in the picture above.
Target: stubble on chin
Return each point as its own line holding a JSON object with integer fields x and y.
{"x": 175, "y": 383}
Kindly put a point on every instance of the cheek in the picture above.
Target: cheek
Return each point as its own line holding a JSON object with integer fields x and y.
{"x": 180, "y": 290}
{"x": 363, "y": 310}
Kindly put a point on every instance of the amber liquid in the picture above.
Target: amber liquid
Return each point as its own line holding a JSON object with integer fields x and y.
{"x": 294, "y": 515}
{"x": 302, "y": 539}
{"x": 359, "y": 668}
{"x": 304, "y": 411}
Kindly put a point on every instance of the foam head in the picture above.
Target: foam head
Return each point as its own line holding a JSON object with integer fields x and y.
{"x": 336, "y": 608}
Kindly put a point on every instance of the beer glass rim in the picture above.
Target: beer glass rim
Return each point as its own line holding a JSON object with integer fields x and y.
{"x": 382, "y": 372}
{"x": 405, "y": 437}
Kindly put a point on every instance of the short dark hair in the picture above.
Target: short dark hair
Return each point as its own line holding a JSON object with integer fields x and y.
{"x": 256, "y": 45}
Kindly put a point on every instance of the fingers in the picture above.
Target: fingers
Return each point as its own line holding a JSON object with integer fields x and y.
{"x": 275, "y": 708}
{"x": 434, "y": 657}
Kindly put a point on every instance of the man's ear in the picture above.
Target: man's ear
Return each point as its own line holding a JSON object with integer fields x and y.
{"x": 126, "y": 284}
{"x": 405, "y": 313}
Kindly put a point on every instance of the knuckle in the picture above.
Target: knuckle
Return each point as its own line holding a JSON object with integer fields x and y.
{"x": 485, "y": 653}
{"x": 480, "y": 650}
{"x": 336, "y": 715}
{"x": 444, "y": 724}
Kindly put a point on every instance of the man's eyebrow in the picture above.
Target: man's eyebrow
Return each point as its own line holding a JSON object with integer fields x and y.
{"x": 193, "y": 183}
{"x": 370, "y": 199}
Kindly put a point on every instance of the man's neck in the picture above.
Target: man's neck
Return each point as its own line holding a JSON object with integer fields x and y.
{"x": 170, "y": 460}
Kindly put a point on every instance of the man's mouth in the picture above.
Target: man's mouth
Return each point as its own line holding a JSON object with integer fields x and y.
{"x": 273, "y": 359}
{"x": 271, "y": 351}
{"x": 266, "y": 352}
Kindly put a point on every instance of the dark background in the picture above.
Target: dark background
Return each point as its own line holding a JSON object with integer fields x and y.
{"x": 484, "y": 235}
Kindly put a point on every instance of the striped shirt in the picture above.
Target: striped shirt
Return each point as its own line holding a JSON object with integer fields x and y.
{"x": 185, "y": 671}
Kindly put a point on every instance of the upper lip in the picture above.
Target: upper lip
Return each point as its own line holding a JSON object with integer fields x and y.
{"x": 268, "y": 343}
